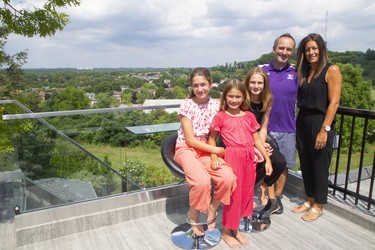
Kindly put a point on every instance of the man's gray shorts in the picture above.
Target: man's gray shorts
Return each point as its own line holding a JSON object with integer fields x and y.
{"x": 287, "y": 146}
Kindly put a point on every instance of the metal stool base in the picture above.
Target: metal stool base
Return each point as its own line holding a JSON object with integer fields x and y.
{"x": 183, "y": 237}
{"x": 253, "y": 225}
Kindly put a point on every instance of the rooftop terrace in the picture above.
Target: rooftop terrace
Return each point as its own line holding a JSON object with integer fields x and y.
{"x": 143, "y": 218}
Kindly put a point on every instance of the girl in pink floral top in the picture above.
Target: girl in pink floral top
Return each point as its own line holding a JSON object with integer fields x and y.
{"x": 193, "y": 153}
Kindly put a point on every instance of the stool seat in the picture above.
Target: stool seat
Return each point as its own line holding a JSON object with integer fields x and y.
{"x": 167, "y": 153}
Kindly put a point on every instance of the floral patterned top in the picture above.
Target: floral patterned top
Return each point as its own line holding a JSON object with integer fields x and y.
{"x": 200, "y": 115}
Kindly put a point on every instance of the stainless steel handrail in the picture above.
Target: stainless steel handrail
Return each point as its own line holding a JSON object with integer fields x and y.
{"x": 77, "y": 112}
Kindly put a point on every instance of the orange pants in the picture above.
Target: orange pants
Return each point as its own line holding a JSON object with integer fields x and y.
{"x": 199, "y": 174}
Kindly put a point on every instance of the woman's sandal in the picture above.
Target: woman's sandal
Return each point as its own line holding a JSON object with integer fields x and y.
{"x": 312, "y": 215}
{"x": 305, "y": 208}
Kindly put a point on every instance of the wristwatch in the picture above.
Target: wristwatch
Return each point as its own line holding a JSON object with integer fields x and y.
{"x": 327, "y": 128}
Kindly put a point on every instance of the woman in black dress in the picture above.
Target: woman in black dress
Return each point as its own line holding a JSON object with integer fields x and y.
{"x": 318, "y": 100}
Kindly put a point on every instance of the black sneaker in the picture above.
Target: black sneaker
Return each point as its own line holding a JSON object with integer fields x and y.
{"x": 275, "y": 206}
{"x": 280, "y": 206}
{"x": 270, "y": 208}
{"x": 265, "y": 212}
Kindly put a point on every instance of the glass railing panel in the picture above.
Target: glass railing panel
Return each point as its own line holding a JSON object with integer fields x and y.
{"x": 129, "y": 141}
{"x": 56, "y": 172}
{"x": 52, "y": 169}
{"x": 72, "y": 158}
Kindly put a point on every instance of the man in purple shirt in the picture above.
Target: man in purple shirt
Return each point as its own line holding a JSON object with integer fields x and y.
{"x": 282, "y": 120}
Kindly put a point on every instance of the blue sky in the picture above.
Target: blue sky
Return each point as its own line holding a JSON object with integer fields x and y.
{"x": 191, "y": 33}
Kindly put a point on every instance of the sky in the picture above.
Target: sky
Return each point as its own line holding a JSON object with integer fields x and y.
{"x": 192, "y": 33}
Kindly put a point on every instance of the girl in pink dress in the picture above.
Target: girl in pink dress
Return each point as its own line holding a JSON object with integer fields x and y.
{"x": 239, "y": 130}
{"x": 193, "y": 153}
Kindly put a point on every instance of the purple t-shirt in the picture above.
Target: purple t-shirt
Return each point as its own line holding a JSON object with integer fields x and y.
{"x": 284, "y": 87}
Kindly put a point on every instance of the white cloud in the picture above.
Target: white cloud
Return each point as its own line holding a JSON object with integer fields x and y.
{"x": 190, "y": 33}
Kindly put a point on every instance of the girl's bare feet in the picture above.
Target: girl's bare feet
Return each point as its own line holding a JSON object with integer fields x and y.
{"x": 240, "y": 237}
{"x": 194, "y": 220}
{"x": 228, "y": 237}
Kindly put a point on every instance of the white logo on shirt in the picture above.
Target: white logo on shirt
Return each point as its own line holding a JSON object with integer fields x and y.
{"x": 290, "y": 77}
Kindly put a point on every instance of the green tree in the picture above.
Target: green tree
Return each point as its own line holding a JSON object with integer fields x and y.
{"x": 239, "y": 74}
{"x": 112, "y": 129}
{"x": 145, "y": 175}
{"x": 33, "y": 150}
{"x": 104, "y": 100}
{"x": 180, "y": 81}
{"x": 160, "y": 93}
{"x": 102, "y": 184}
{"x": 127, "y": 96}
{"x": 68, "y": 162}
{"x": 169, "y": 94}
{"x": 356, "y": 93}
{"x": 44, "y": 21}
{"x": 370, "y": 55}
{"x": 146, "y": 92}
{"x": 11, "y": 86}
{"x": 217, "y": 76}
{"x": 180, "y": 93}
{"x": 11, "y": 75}
{"x": 69, "y": 98}
{"x": 104, "y": 86}
{"x": 9, "y": 129}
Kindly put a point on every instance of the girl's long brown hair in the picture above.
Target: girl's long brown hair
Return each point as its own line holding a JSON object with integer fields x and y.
{"x": 266, "y": 95}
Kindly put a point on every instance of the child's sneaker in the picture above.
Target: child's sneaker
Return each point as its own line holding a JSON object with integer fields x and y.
{"x": 271, "y": 207}
{"x": 280, "y": 206}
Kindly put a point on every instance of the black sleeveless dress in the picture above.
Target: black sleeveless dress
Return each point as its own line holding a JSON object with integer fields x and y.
{"x": 313, "y": 103}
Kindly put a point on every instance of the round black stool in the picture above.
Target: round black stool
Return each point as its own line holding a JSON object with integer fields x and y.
{"x": 183, "y": 235}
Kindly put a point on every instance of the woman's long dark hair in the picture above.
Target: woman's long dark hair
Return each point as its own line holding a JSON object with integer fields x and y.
{"x": 303, "y": 66}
